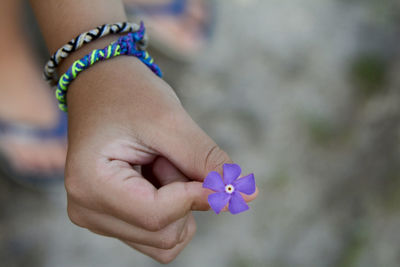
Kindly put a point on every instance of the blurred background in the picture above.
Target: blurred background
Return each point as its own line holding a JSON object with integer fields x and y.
{"x": 305, "y": 94}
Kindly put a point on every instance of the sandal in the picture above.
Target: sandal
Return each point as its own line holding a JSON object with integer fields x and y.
{"x": 29, "y": 134}
{"x": 179, "y": 29}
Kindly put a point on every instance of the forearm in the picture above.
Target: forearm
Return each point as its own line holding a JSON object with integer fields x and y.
{"x": 62, "y": 20}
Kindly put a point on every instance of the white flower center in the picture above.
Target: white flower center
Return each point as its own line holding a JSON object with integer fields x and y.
{"x": 229, "y": 189}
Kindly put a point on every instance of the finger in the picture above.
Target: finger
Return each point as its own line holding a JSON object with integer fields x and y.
{"x": 166, "y": 256}
{"x": 136, "y": 201}
{"x": 247, "y": 198}
{"x": 167, "y": 173}
{"x": 187, "y": 147}
{"x": 161, "y": 172}
{"x": 107, "y": 225}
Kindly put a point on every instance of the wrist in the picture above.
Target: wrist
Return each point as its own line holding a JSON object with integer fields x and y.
{"x": 112, "y": 96}
{"x": 61, "y": 21}
{"x": 84, "y": 50}
{"x": 107, "y": 84}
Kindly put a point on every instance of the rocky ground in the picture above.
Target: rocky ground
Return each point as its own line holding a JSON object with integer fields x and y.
{"x": 306, "y": 95}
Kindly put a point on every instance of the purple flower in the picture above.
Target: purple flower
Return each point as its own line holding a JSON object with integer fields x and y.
{"x": 228, "y": 189}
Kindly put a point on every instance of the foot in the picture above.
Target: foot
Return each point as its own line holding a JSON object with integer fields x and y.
{"x": 184, "y": 33}
{"x": 26, "y": 99}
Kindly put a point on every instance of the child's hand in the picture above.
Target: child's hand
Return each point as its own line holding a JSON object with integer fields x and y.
{"x": 126, "y": 127}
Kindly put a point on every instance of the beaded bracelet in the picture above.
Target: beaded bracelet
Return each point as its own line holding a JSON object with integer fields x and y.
{"x": 84, "y": 38}
{"x": 125, "y": 45}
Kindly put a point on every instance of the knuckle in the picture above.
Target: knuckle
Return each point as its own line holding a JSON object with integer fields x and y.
{"x": 152, "y": 223}
{"x": 166, "y": 257}
{"x": 75, "y": 217}
{"x": 168, "y": 241}
{"x": 215, "y": 158}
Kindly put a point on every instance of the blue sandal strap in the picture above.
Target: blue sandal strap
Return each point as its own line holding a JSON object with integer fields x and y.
{"x": 25, "y": 130}
{"x": 175, "y": 7}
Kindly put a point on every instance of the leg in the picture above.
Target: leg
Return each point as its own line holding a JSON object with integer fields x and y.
{"x": 24, "y": 97}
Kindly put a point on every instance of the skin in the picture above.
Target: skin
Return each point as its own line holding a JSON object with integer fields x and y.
{"x": 135, "y": 158}
{"x": 25, "y": 99}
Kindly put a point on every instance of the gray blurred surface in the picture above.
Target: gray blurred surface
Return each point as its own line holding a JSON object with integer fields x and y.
{"x": 306, "y": 95}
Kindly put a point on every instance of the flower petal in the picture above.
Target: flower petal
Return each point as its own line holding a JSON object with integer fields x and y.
{"x": 231, "y": 172}
{"x": 218, "y": 201}
{"x": 237, "y": 203}
{"x": 245, "y": 184}
{"x": 214, "y": 182}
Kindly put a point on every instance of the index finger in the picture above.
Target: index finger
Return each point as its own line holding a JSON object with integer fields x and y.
{"x": 136, "y": 201}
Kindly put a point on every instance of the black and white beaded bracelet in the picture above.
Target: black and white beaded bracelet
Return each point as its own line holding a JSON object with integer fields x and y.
{"x": 49, "y": 72}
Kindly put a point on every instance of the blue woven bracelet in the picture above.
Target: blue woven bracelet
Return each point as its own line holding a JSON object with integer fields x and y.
{"x": 126, "y": 45}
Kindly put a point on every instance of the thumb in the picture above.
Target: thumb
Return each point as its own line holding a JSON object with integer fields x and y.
{"x": 189, "y": 148}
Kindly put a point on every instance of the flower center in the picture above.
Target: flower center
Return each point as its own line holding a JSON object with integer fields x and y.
{"x": 229, "y": 189}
